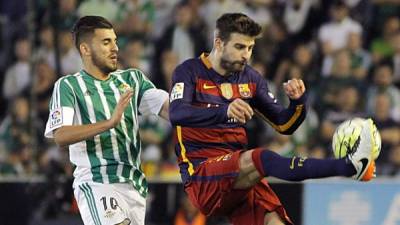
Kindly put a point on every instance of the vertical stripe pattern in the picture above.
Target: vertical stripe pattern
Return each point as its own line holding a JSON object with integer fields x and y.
{"x": 114, "y": 155}
{"x": 87, "y": 191}
{"x": 92, "y": 117}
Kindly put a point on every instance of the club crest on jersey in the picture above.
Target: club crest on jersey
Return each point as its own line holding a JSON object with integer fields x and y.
{"x": 55, "y": 118}
{"x": 244, "y": 90}
{"x": 123, "y": 87}
{"x": 226, "y": 90}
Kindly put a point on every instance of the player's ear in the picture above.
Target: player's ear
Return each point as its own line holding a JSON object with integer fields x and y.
{"x": 84, "y": 49}
{"x": 218, "y": 43}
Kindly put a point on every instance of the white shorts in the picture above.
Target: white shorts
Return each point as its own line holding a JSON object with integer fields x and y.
{"x": 110, "y": 204}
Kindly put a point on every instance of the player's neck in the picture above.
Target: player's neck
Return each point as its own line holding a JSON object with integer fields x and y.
{"x": 215, "y": 63}
{"x": 95, "y": 72}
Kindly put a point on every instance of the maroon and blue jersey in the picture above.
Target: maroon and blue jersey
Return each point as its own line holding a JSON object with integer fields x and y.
{"x": 198, "y": 111}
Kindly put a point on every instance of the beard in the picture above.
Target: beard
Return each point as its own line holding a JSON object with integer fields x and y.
{"x": 102, "y": 65}
{"x": 232, "y": 66}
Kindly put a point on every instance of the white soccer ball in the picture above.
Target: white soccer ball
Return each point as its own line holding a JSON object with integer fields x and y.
{"x": 346, "y": 138}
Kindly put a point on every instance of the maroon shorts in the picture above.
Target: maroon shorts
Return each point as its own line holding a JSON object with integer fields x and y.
{"x": 211, "y": 191}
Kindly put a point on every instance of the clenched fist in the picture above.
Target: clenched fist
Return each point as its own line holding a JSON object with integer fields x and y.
{"x": 240, "y": 110}
{"x": 294, "y": 88}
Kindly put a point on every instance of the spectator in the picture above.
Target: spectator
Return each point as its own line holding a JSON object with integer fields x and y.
{"x": 105, "y": 8}
{"x": 396, "y": 58}
{"x": 388, "y": 128}
{"x": 169, "y": 61}
{"x": 188, "y": 214}
{"x": 334, "y": 35}
{"x": 64, "y": 17}
{"x": 383, "y": 83}
{"x": 360, "y": 58}
{"x": 69, "y": 56}
{"x": 18, "y": 78}
{"x": 329, "y": 88}
{"x": 381, "y": 47}
{"x": 45, "y": 50}
{"x": 300, "y": 19}
{"x": 273, "y": 47}
{"x": 393, "y": 167}
{"x": 211, "y": 10}
{"x": 304, "y": 60}
{"x": 42, "y": 88}
{"x": 136, "y": 19}
{"x": 383, "y": 10}
{"x": 185, "y": 36}
{"x": 16, "y": 138}
{"x": 259, "y": 11}
{"x": 162, "y": 16}
{"x": 135, "y": 56}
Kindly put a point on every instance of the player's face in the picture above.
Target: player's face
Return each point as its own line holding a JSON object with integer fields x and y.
{"x": 104, "y": 50}
{"x": 236, "y": 52}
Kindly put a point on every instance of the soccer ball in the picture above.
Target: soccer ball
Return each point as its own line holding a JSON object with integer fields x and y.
{"x": 346, "y": 138}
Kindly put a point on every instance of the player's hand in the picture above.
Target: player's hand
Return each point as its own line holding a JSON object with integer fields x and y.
{"x": 120, "y": 108}
{"x": 240, "y": 111}
{"x": 294, "y": 88}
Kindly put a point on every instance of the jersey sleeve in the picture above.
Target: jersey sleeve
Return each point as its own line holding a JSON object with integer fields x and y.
{"x": 182, "y": 111}
{"x": 151, "y": 99}
{"x": 61, "y": 107}
{"x": 282, "y": 119}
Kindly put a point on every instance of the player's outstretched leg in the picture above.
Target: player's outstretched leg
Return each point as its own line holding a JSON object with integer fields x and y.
{"x": 359, "y": 164}
{"x": 269, "y": 163}
{"x": 362, "y": 156}
{"x": 258, "y": 163}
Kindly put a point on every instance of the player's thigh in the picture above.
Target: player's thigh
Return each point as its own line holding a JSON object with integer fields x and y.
{"x": 102, "y": 204}
{"x": 135, "y": 203}
{"x": 212, "y": 182}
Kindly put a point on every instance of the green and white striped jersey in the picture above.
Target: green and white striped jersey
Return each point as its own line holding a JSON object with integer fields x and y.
{"x": 114, "y": 155}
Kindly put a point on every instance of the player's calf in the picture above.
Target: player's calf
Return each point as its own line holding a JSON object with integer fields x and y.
{"x": 269, "y": 163}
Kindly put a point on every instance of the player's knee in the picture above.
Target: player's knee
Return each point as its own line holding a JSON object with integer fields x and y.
{"x": 245, "y": 159}
{"x": 248, "y": 175}
{"x": 256, "y": 158}
{"x": 251, "y": 161}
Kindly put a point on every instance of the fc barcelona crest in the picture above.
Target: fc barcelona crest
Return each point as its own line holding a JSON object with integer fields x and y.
{"x": 244, "y": 90}
{"x": 227, "y": 91}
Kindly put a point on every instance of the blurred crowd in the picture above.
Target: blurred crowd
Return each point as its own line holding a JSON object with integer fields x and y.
{"x": 347, "y": 52}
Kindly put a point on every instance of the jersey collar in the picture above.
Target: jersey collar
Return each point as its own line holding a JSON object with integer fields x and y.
{"x": 205, "y": 61}
{"x": 86, "y": 74}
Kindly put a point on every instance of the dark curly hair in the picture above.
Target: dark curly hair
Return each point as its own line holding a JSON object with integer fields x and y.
{"x": 236, "y": 23}
{"x": 85, "y": 27}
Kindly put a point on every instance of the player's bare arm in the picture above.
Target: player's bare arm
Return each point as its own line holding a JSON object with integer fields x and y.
{"x": 240, "y": 111}
{"x": 164, "y": 112}
{"x": 67, "y": 135}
